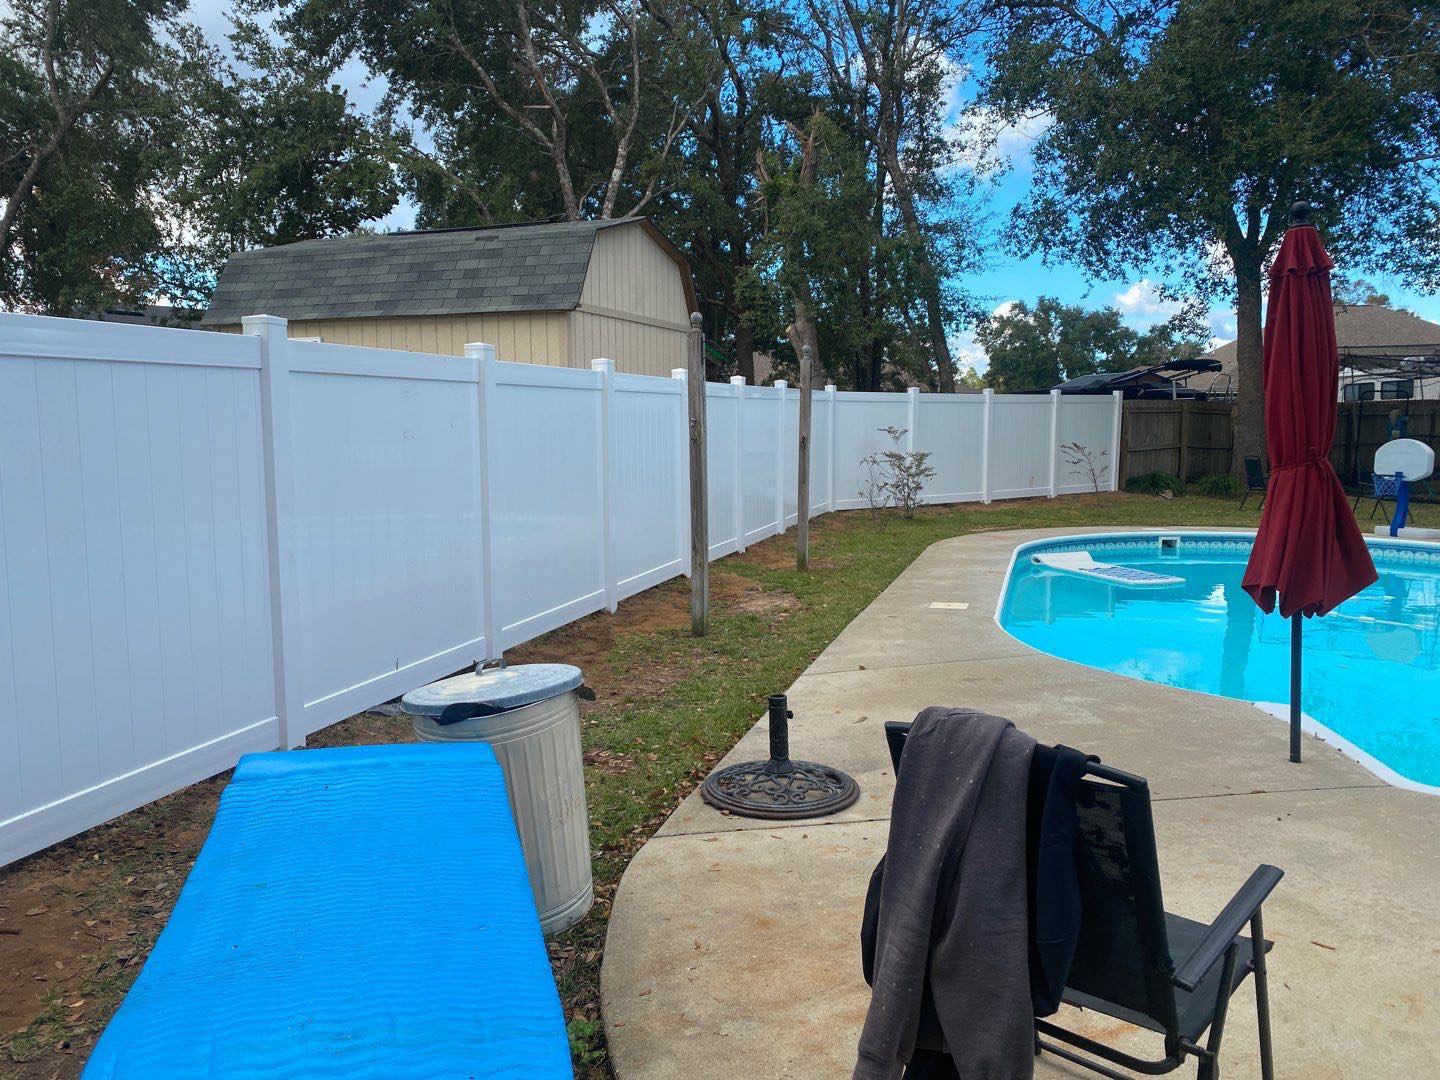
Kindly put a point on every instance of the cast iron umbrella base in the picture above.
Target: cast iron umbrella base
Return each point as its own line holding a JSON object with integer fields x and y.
{"x": 779, "y": 788}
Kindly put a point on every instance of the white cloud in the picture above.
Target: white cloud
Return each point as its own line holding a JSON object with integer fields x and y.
{"x": 1222, "y": 326}
{"x": 984, "y": 144}
{"x": 1144, "y": 304}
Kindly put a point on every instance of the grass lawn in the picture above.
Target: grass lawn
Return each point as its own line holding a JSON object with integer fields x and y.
{"x": 77, "y": 920}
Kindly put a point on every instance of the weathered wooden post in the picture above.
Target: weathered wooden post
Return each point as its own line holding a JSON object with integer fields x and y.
{"x": 699, "y": 521}
{"x": 802, "y": 483}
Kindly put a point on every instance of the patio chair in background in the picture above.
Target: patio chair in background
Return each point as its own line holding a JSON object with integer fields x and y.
{"x": 1137, "y": 962}
{"x": 1256, "y": 479}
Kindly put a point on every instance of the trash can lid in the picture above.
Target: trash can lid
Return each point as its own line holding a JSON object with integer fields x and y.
{"x": 499, "y": 688}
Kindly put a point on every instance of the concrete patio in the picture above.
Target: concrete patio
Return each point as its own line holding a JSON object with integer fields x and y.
{"x": 733, "y": 946}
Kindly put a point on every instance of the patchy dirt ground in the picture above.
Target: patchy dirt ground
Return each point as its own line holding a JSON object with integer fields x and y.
{"x": 78, "y": 919}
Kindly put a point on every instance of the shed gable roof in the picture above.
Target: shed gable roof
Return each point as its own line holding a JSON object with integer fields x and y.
{"x": 539, "y": 267}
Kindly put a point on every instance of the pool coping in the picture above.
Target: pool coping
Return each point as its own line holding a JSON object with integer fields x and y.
{"x": 1278, "y": 710}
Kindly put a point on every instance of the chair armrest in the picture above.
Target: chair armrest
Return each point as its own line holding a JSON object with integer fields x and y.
{"x": 1228, "y": 925}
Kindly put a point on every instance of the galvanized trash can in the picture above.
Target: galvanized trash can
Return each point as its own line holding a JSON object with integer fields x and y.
{"x": 530, "y": 715}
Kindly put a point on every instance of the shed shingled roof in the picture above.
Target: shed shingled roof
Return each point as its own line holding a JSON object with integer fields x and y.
{"x": 536, "y": 267}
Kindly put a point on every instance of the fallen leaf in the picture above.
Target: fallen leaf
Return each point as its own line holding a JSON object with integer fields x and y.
{"x": 37, "y": 910}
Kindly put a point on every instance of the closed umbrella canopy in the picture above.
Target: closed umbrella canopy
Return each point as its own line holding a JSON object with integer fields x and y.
{"x": 1309, "y": 549}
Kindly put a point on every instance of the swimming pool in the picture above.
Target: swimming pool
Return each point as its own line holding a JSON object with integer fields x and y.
{"x": 1372, "y": 666}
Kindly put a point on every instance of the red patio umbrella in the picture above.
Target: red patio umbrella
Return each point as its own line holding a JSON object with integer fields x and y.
{"x": 1309, "y": 549}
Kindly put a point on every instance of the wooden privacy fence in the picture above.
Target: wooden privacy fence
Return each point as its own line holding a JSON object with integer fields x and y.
{"x": 1188, "y": 439}
{"x": 1363, "y": 425}
{"x": 218, "y": 543}
{"x": 1191, "y": 439}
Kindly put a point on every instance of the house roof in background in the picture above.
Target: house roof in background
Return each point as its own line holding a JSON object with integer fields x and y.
{"x": 530, "y": 267}
{"x": 148, "y": 315}
{"x": 1366, "y": 332}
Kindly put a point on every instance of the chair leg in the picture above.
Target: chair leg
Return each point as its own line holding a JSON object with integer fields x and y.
{"x": 1210, "y": 1064}
{"x": 1262, "y": 996}
{"x": 1244, "y": 498}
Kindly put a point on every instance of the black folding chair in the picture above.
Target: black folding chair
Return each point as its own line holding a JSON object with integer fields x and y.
{"x": 1126, "y": 962}
{"x": 1256, "y": 479}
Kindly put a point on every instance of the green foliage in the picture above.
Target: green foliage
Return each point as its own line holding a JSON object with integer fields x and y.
{"x": 1219, "y": 486}
{"x": 1033, "y": 347}
{"x": 587, "y": 1042}
{"x": 274, "y": 158}
{"x": 87, "y": 117}
{"x": 1155, "y": 483}
{"x": 1177, "y": 130}
{"x": 1202, "y": 126}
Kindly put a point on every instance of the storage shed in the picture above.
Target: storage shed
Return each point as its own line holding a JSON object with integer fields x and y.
{"x": 559, "y": 293}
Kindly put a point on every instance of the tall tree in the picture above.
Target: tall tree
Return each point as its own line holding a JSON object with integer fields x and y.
{"x": 274, "y": 157}
{"x": 1035, "y": 346}
{"x": 888, "y": 62}
{"x": 83, "y": 131}
{"x": 1182, "y": 128}
{"x": 710, "y": 201}
{"x": 582, "y": 85}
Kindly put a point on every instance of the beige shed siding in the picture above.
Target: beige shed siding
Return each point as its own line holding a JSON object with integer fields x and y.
{"x": 537, "y": 337}
{"x": 636, "y": 348}
{"x": 630, "y": 273}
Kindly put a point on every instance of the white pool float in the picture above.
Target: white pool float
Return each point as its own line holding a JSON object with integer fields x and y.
{"x": 1081, "y": 564}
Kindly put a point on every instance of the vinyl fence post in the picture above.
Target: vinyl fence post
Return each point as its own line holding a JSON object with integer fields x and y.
{"x": 282, "y": 570}
{"x": 737, "y": 387}
{"x": 912, "y": 420}
{"x": 699, "y": 521}
{"x": 780, "y": 387}
{"x": 682, "y": 471}
{"x": 1054, "y": 440}
{"x": 830, "y": 394}
{"x": 802, "y": 467}
{"x": 604, "y": 470}
{"x": 989, "y": 396}
{"x": 484, "y": 357}
{"x": 1119, "y": 396}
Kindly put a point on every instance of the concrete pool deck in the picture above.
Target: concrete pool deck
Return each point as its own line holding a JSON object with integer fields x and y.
{"x": 732, "y": 951}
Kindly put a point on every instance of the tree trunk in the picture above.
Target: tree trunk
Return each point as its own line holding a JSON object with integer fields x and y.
{"x": 744, "y": 349}
{"x": 803, "y": 332}
{"x": 1250, "y": 394}
{"x": 934, "y": 309}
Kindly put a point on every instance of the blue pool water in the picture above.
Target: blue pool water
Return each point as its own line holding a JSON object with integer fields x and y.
{"x": 1372, "y": 666}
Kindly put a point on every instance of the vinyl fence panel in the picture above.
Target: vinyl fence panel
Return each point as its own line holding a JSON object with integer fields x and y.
{"x": 544, "y": 499}
{"x": 1087, "y": 421}
{"x": 135, "y": 657}
{"x": 859, "y": 422}
{"x": 215, "y": 543}
{"x": 387, "y": 536}
{"x": 1020, "y": 446}
{"x": 952, "y": 428}
{"x": 646, "y": 475}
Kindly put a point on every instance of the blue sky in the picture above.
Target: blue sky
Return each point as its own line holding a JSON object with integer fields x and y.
{"x": 1006, "y": 279}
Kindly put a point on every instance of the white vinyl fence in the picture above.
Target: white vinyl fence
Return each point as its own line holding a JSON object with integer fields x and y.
{"x": 215, "y": 543}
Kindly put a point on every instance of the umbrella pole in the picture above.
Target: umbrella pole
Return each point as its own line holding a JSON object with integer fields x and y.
{"x": 1297, "y": 626}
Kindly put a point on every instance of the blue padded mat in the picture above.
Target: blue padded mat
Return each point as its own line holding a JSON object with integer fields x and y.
{"x": 356, "y": 912}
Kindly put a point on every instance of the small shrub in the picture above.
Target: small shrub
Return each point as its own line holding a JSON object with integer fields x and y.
{"x": 1219, "y": 486}
{"x": 896, "y": 477}
{"x": 1087, "y": 464}
{"x": 1155, "y": 483}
